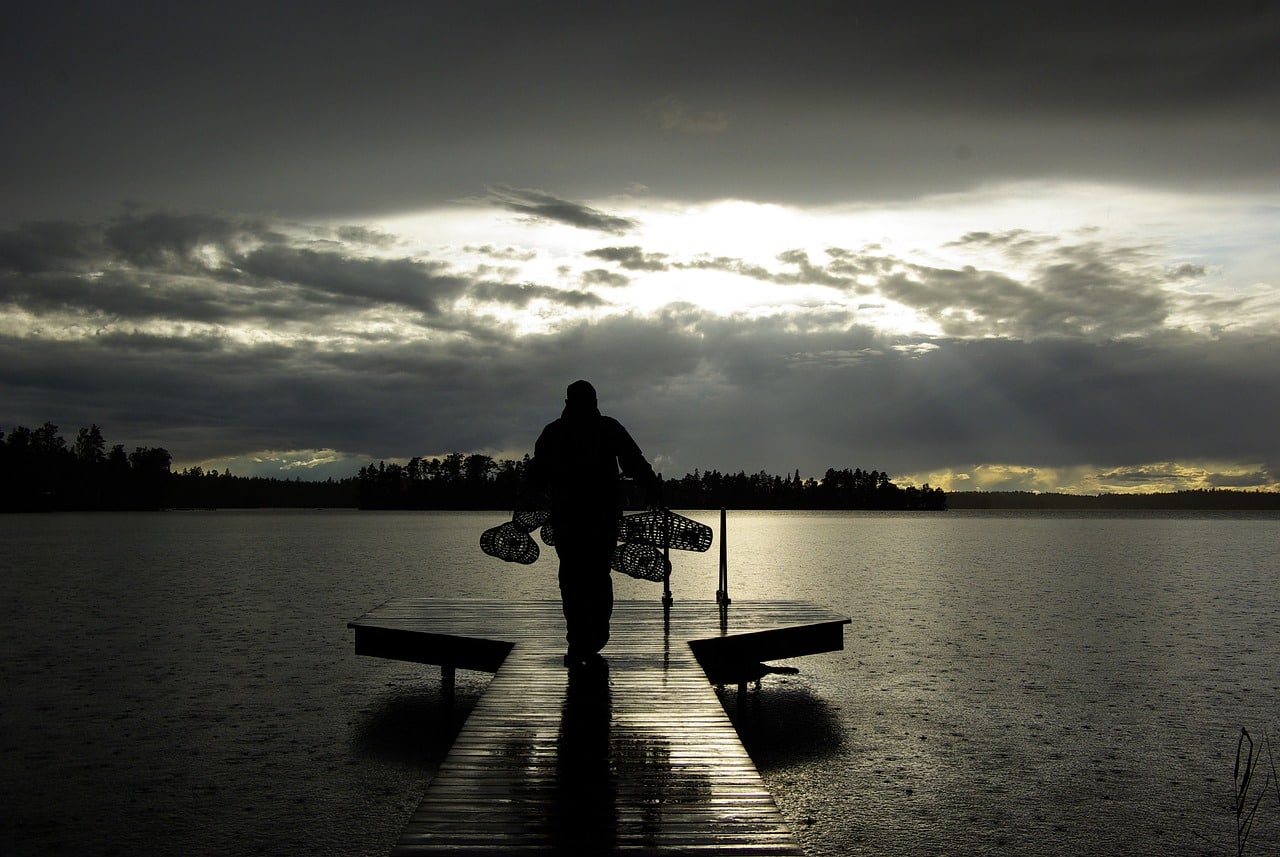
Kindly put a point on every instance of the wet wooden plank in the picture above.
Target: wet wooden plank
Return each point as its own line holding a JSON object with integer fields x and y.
{"x": 637, "y": 756}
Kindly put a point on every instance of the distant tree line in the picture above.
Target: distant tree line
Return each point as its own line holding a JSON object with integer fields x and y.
{"x": 459, "y": 481}
{"x": 194, "y": 488}
{"x": 40, "y": 471}
{"x": 837, "y": 489}
{"x": 456, "y": 481}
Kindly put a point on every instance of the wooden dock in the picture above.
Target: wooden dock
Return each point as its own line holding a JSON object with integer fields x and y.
{"x": 637, "y": 756}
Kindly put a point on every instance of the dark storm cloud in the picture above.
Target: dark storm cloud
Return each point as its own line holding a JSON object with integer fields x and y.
{"x": 697, "y": 391}
{"x": 1073, "y": 290}
{"x": 732, "y": 265}
{"x": 170, "y": 240}
{"x": 839, "y": 272}
{"x": 289, "y": 113}
{"x": 631, "y": 258}
{"x": 1186, "y": 272}
{"x": 522, "y": 294}
{"x": 197, "y": 268}
{"x": 540, "y": 205}
{"x": 870, "y": 261}
{"x": 365, "y": 235}
{"x": 215, "y": 270}
{"x": 1082, "y": 293}
{"x": 300, "y": 109}
{"x": 807, "y": 272}
{"x": 1016, "y": 243}
{"x": 156, "y": 240}
{"x": 1051, "y": 403}
{"x": 1243, "y": 481}
{"x": 31, "y": 248}
{"x": 128, "y": 267}
{"x": 510, "y": 254}
{"x": 121, "y": 295}
{"x": 423, "y": 286}
{"x": 601, "y": 277}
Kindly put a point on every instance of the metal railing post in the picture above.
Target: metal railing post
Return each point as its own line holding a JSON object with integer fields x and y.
{"x": 666, "y": 557}
{"x": 722, "y": 592}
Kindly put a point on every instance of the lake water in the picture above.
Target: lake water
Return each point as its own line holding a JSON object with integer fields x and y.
{"x": 1021, "y": 683}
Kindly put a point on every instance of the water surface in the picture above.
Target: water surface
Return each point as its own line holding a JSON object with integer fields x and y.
{"x": 1064, "y": 683}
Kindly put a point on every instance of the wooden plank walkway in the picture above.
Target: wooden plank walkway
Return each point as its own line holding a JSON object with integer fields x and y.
{"x": 635, "y": 757}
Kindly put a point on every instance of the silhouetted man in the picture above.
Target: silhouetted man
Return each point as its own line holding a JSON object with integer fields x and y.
{"x": 576, "y": 463}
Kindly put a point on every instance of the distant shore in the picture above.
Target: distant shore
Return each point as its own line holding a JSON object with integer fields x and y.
{"x": 42, "y": 472}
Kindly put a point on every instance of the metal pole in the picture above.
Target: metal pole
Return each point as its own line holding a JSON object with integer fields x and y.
{"x": 722, "y": 593}
{"x": 666, "y": 557}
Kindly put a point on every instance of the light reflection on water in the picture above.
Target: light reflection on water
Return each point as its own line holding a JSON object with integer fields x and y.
{"x": 1011, "y": 683}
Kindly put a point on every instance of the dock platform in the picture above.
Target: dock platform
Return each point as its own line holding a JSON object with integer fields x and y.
{"x": 635, "y": 756}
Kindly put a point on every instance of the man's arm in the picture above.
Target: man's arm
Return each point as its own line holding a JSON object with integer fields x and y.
{"x": 635, "y": 466}
{"x": 536, "y": 476}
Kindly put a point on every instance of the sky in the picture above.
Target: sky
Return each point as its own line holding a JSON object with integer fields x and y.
{"x": 983, "y": 246}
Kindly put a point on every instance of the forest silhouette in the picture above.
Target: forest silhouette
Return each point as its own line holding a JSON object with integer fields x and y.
{"x": 460, "y": 481}
{"x": 41, "y": 471}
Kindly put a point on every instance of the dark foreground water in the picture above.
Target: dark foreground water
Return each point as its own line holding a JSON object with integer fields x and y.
{"x": 184, "y": 683}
